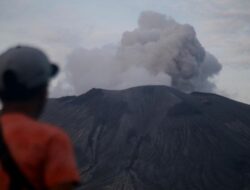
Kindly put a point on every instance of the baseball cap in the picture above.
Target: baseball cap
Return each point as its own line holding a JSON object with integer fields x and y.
{"x": 30, "y": 65}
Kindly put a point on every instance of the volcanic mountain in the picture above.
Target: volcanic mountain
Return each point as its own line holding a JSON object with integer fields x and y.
{"x": 156, "y": 137}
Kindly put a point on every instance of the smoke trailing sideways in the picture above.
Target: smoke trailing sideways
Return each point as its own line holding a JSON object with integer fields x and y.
{"x": 158, "y": 51}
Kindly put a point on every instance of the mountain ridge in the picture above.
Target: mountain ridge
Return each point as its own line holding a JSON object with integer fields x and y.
{"x": 156, "y": 137}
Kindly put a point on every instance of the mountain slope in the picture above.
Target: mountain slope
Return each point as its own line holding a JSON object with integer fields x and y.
{"x": 155, "y": 137}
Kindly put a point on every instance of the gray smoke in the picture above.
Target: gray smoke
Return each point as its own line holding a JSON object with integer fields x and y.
{"x": 158, "y": 51}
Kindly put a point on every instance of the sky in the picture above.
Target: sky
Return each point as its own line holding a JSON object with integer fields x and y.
{"x": 63, "y": 27}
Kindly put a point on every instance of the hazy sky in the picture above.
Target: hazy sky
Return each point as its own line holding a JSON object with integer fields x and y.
{"x": 61, "y": 26}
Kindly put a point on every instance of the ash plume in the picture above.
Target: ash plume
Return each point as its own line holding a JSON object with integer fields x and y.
{"x": 158, "y": 51}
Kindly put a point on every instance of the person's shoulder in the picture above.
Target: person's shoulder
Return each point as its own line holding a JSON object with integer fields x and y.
{"x": 54, "y": 136}
{"x": 52, "y": 130}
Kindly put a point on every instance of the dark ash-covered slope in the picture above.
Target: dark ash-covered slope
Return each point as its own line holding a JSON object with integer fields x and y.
{"x": 155, "y": 137}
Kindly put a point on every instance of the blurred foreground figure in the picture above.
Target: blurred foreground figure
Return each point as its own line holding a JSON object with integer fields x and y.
{"x": 33, "y": 155}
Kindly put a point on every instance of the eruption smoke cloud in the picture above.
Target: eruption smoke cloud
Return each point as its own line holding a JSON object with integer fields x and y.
{"x": 158, "y": 51}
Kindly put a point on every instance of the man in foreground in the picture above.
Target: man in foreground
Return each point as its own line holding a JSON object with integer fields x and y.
{"x": 41, "y": 154}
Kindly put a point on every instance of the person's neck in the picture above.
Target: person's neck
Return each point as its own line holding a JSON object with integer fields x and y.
{"x": 22, "y": 108}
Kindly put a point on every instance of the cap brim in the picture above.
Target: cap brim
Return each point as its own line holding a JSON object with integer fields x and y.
{"x": 54, "y": 70}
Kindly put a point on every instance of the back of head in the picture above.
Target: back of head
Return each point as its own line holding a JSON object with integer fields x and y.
{"x": 24, "y": 73}
{"x": 14, "y": 91}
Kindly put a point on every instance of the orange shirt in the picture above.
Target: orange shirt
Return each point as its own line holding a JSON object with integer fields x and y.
{"x": 43, "y": 152}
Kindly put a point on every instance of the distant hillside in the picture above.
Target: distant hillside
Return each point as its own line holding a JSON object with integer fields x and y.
{"x": 155, "y": 137}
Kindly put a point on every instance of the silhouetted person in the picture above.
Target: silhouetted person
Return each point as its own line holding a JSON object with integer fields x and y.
{"x": 42, "y": 153}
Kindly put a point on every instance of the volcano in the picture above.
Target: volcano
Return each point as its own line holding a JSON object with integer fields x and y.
{"x": 156, "y": 137}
